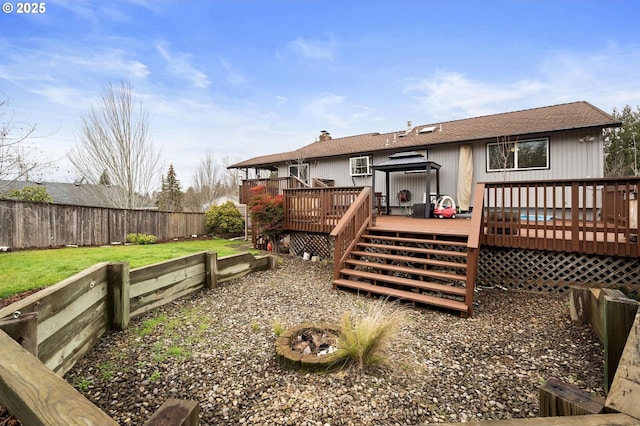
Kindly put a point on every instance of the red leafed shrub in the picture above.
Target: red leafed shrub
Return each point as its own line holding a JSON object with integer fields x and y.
{"x": 267, "y": 214}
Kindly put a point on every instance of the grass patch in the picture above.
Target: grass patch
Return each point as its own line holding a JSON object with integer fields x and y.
{"x": 82, "y": 383}
{"x": 108, "y": 369}
{"x": 278, "y": 328}
{"x": 363, "y": 341}
{"x": 149, "y": 325}
{"x": 34, "y": 269}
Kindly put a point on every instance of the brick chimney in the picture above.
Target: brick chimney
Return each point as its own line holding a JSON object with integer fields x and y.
{"x": 324, "y": 135}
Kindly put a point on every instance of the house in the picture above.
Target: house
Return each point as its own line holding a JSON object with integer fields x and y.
{"x": 78, "y": 193}
{"x": 554, "y": 142}
{"x": 535, "y": 178}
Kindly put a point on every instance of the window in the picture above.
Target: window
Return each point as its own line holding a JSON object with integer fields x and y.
{"x": 300, "y": 170}
{"x": 360, "y": 166}
{"x": 518, "y": 155}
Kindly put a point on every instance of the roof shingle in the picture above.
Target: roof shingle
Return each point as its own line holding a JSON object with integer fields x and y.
{"x": 574, "y": 115}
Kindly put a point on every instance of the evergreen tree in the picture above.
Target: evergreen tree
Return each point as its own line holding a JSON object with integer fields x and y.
{"x": 620, "y": 144}
{"x": 170, "y": 197}
{"x": 104, "y": 178}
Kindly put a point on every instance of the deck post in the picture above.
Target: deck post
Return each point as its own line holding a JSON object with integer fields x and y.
{"x": 575, "y": 216}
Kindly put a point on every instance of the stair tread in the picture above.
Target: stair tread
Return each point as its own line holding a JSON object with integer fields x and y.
{"x": 414, "y": 249}
{"x": 425, "y": 285}
{"x": 404, "y": 269}
{"x": 416, "y": 240}
{"x": 399, "y": 258}
{"x": 405, "y": 295}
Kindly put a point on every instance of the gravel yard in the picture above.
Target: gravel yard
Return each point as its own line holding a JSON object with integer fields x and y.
{"x": 217, "y": 348}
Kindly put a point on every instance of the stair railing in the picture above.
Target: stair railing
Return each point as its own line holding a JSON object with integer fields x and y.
{"x": 473, "y": 246}
{"x": 352, "y": 225}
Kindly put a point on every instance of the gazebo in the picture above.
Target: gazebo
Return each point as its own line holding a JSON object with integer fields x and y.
{"x": 409, "y": 162}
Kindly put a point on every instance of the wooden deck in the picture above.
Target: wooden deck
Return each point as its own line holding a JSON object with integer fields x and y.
{"x": 407, "y": 224}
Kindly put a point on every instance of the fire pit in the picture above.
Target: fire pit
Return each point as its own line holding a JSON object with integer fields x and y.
{"x": 309, "y": 347}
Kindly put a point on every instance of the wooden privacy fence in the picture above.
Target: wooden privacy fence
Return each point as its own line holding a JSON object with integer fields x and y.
{"x": 25, "y": 224}
{"x": 61, "y": 323}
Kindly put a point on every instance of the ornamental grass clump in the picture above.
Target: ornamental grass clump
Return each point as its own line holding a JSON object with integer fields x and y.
{"x": 363, "y": 341}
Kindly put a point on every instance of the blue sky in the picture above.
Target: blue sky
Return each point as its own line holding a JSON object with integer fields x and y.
{"x": 246, "y": 78}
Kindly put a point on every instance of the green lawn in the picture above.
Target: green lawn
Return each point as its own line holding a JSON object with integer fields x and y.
{"x": 27, "y": 270}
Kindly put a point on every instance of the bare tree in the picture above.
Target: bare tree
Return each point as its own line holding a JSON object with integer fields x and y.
{"x": 114, "y": 142}
{"x": 231, "y": 180}
{"x": 17, "y": 160}
{"x": 206, "y": 181}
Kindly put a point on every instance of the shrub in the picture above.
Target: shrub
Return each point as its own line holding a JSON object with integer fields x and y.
{"x": 267, "y": 214}
{"x": 141, "y": 239}
{"x": 31, "y": 193}
{"x": 225, "y": 220}
{"x": 364, "y": 341}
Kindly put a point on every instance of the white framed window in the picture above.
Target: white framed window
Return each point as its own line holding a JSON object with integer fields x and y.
{"x": 360, "y": 166}
{"x": 518, "y": 155}
{"x": 300, "y": 170}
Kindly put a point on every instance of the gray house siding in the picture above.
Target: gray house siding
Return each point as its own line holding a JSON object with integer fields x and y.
{"x": 570, "y": 157}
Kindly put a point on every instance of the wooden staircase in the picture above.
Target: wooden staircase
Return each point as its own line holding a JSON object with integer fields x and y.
{"x": 429, "y": 269}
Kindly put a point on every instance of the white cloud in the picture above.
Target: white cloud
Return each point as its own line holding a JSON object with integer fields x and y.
{"x": 179, "y": 64}
{"x": 605, "y": 78}
{"x": 333, "y": 111}
{"x": 314, "y": 49}
{"x": 233, "y": 75}
{"x": 447, "y": 95}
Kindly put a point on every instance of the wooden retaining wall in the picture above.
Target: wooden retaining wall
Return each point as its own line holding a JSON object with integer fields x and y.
{"x": 38, "y": 225}
{"x": 73, "y": 314}
{"x": 63, "y": 322}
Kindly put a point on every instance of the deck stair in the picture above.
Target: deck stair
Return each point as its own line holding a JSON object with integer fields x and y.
{"x": 429, "y": 269}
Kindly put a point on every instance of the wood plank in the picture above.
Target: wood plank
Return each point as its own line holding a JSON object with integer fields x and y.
{"x": 617, "y": 419}
{"x": 580, "y": 304}
{"x": 176, "y": 412}
{"x": 415, "y": 240}
{"x": 407, "y": 282}
{"x": 36, "y": 396}
{"x": 404, "y": 295}
{"x": 54, "y": 299}
{"x": 150, "y": 272}
{"x": 159, "y": 282}
{"x": 619, "y": 314}
{"x": 160, "y": 297}
{"x": 23, "y": 328}
{"x": 558, "y": 398}
{"x": 421, "y": 250}
{"x": 408, "y": 270}
{"x": 409, "y": 259}
{"x": 67, "y": 341}
{"x": 625, "y": 389}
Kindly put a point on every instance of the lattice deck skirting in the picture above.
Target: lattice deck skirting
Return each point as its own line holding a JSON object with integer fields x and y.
{"x": 548, "y": 271}
{"x": 314, "y": 244}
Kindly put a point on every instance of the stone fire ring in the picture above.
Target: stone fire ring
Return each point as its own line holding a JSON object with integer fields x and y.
{"x": 308, "y": 362}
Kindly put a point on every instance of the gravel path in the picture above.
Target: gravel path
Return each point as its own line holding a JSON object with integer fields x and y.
{"x": 217, "y": 347}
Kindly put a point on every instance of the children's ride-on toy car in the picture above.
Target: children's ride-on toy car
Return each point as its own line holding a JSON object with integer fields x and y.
{"x": 445, "y": 207}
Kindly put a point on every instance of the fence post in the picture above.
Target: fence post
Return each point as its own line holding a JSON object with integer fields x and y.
{"x": 118, "y": 302}
{"x": 211, "y": 270}
{"x": 619, "y": 314}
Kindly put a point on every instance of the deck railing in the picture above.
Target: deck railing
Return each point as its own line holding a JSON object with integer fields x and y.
{"x": 348, "y": 230}
{"x": 317, "y": 209}
{"x": 593, "y": 216}
{"x": 274, "y": 186}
